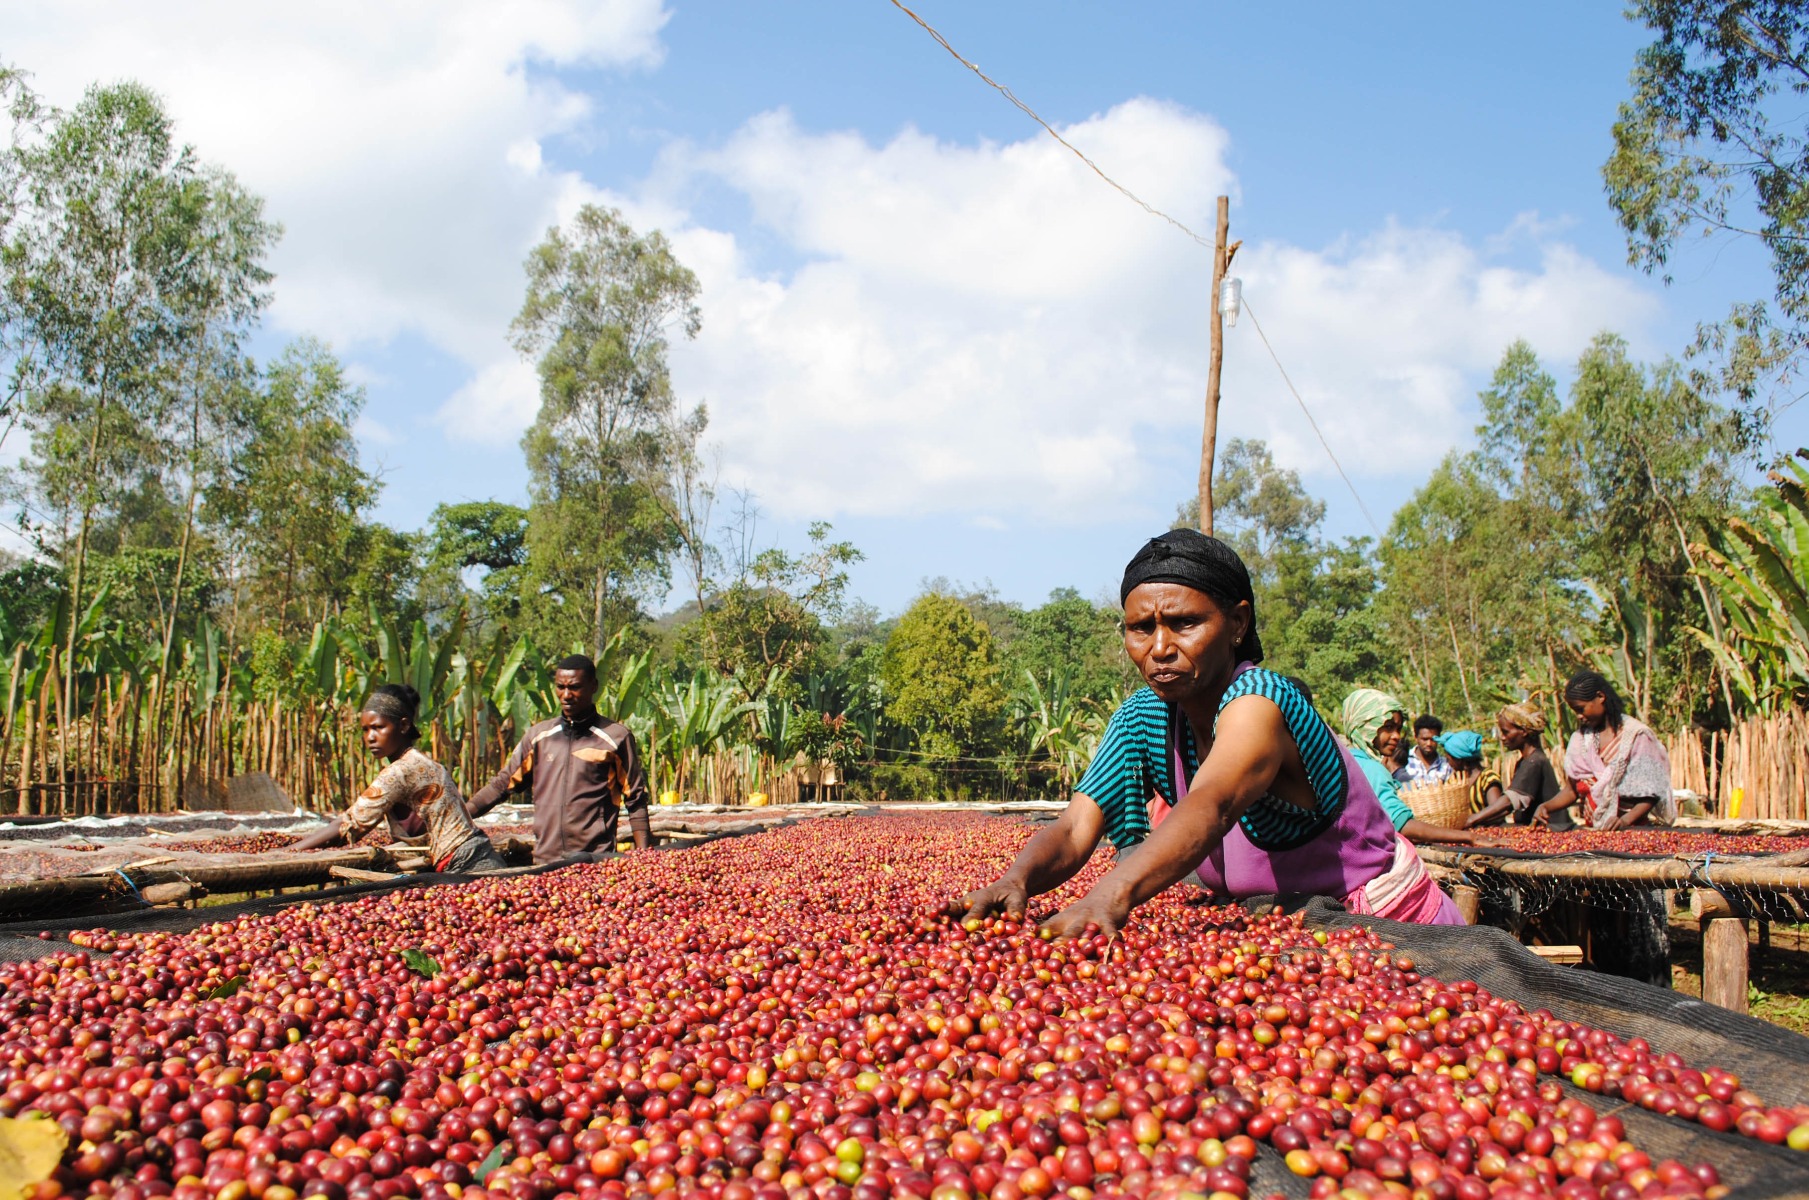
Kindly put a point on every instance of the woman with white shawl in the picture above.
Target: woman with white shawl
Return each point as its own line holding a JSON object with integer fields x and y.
{"x": 1614, "y": 765}
{"x": 1619, "y": 770}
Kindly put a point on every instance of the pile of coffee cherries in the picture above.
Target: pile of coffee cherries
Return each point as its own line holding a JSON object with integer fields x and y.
{"x": 787, "y": 1016}
{"x": 250, "y": 843}
{"x": 1650, "y": 841}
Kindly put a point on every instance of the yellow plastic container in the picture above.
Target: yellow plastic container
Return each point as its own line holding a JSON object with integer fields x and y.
{"x": 757, "y": 800}
{"x": 668, "y": 797}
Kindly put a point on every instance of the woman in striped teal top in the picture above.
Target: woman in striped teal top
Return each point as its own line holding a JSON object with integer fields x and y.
{"x": 1218, "y": 766}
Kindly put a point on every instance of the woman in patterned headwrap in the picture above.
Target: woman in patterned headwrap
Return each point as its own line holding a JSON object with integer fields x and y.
{"x": 1372, "y": 723}
{"x": 1217, "y": 767}
{"x": 414, "y": 794}
{"x": 1522, "y": 727}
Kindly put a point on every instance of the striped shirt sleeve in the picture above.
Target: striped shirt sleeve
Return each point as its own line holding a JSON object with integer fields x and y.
{"x": 1128, "y": 768}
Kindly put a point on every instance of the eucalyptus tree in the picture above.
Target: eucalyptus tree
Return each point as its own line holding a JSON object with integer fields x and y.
{"x": 291, "y": 500}
{"x": 602, "y": 303}
{"x": 1712, "y": 143}
{"x": 117, "y": 260}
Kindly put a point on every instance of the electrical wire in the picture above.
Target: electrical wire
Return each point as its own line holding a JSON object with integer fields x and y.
{"x": 1006, "y": 92}
{"x": 1308, "y": 413}
{"x": 1151, "y": 209}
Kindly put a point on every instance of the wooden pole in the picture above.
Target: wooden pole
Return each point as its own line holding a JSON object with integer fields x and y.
{"x": 1723, "y": 950}
{"x": 1214, "y": 360}
{"x": 1468, "y": 901}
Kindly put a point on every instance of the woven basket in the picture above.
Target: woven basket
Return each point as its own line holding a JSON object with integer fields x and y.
{"x": 1444, "y": 804}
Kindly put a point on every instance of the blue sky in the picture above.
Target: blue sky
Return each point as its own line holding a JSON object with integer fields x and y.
{"x": 923, "y": 321}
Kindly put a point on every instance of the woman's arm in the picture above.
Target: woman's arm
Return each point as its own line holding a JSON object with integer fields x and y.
{"x": 1498, "y": 806}
{"x": 1046, "y": 862}
{"x": 364, "y": 814}
{"x": 1417, "y": 830}
{"x": 1567, "y": 796}
{"x": 326, "y": 835}
{"x": 1247, "y": 754}
{"x": 1629, "y": 817}
{"x": 1400, "y": 815}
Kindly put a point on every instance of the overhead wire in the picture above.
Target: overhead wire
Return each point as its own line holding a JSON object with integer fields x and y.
{"x": 1154, "y": 211}
{"x": 1308, "y": 413}
{"x": 1006, "y": 92}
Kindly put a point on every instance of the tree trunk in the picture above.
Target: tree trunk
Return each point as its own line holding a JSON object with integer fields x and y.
{"x": 188, "y": 526}
{"x": 67, "y": 702}
{"x": 597, "y": 621}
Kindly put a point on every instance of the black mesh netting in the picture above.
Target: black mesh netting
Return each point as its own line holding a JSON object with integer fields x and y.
{"x": 1772, "y": 1061}
{"x": 1510, "y": 899}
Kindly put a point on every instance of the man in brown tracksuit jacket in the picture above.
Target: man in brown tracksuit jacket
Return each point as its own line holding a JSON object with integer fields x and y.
{"x": 579, "y": 769}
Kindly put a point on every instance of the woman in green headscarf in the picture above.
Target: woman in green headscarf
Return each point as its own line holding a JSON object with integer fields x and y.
{"x": 1372, "y": 722}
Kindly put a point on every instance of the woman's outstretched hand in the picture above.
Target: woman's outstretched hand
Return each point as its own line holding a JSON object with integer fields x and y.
{"x": 1007, "y": 897}
{"x": 1095, "y": 912}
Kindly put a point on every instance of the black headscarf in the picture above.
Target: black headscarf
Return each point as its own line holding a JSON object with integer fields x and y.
{"x": 1205, "y": 564}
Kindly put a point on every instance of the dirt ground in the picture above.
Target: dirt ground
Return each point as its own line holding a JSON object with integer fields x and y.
{"x": 1778, "y": 975}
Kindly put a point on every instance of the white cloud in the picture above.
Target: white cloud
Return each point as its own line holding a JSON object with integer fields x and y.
{"x": 373, "y": 432}
{"x": 498, "y": 402}
{"x": 982, "y": 329}
{"x": 399, "y": 143}
{"x": 989, "y": 330}
{"x": 1387, "y": 338}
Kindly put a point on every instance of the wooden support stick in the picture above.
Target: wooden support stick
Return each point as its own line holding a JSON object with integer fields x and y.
{"x": 1724, "y": 962}
{"x": 179, "y": 892}
{"x": 1469, "y": 902}
{"x": 1707, "y": 905}
{"x": 1756, "y": 873}
{"x": 1567, "y": 955}
{"x": 1215, "y": 358}
{"x": 75, "y": 894}
{"x": 358, "y": 875}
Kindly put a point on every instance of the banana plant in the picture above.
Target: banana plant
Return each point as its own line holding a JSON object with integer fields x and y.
{"x": 624, "y": 679}
{"x": 1760, "y": 571}
{"x": 696, "y": 716}
{"x": 1058, "y": 725}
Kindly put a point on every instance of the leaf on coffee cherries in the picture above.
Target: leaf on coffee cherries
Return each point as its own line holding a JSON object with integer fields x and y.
{"x": 230, "y": 987}
{"x": 30, "y": 1149}
{"x": 420, "y": 962}
{"x": 496, "y": 1158}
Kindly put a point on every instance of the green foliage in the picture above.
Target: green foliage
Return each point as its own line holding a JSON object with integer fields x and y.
{"x": 1653, "y": 469}
{"x": 1315, "y": 599}
{"x": 132, "y": 272}
{"x": 1453, "y": 595}
{"x": 481, "y": 535}
{"x": 421, "y": 962}
{"x": 1562, "y": 540}
{"x": 290, "y": 503}
{"x": 28, "y": 590}
{"x": 1061, "y": 728}
{"x": 229, "y": 988}
{"x": 1760, "y": 571}
{"x": 941, "y": 678}
{"x": 771, "y": 620}
{"x": 1712, "y": 142}
{"x": 601, "y": 303}
{"x": 1067, "y": 636}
